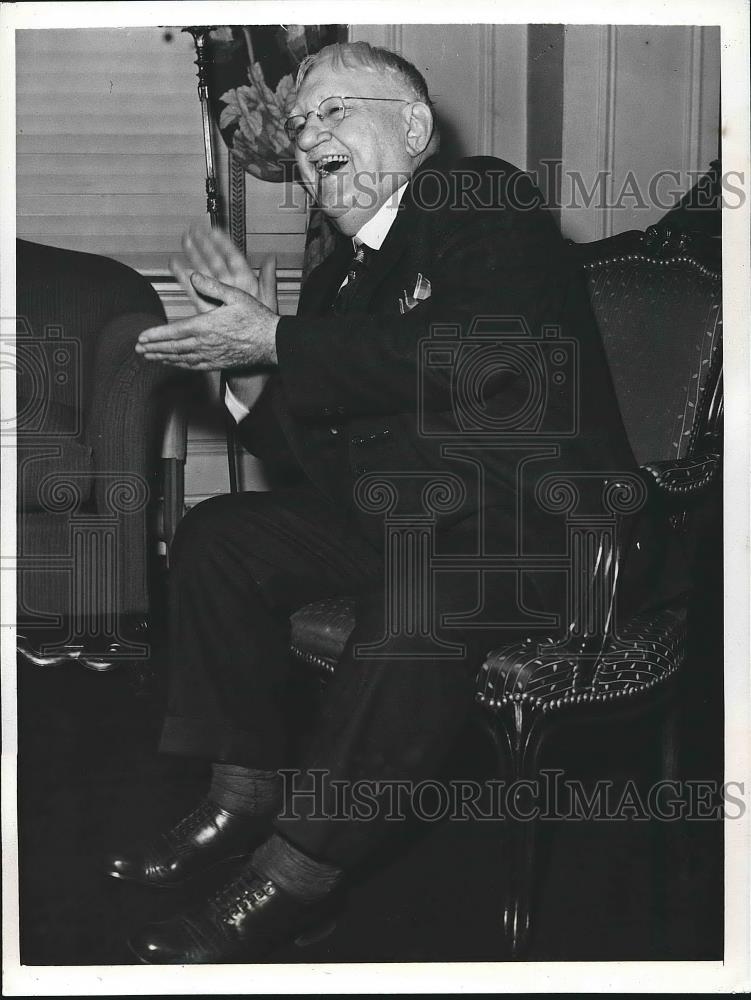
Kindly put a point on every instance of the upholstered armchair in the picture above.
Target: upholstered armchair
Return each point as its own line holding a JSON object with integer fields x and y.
{"x": 89, "y": 425}
{"x": 660, "y": 314}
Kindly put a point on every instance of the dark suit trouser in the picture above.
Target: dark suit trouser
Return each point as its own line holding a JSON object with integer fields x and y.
{"x": 240, "y": 564}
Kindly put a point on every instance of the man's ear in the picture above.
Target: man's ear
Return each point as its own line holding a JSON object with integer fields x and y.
{"x": 419, "y": 119}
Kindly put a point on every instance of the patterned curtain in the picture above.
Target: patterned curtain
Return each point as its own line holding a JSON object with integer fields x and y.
{"x": 251, "y": 77}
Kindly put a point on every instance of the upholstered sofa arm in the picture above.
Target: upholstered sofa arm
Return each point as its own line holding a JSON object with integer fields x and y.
{"x": 685, "y": 478}
{"x": 124, "y": 422}
{"x": 124, "y": 426}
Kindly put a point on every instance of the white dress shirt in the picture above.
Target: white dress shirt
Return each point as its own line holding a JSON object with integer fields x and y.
{"x": 372, "y": 234}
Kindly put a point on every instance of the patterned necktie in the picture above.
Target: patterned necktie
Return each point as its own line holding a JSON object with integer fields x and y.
{"x": 358, "y": 266}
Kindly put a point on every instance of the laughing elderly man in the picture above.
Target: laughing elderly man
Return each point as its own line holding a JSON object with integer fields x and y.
{"x": 423, "y": 244}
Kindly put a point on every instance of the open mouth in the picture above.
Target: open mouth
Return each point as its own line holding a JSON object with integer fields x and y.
{"x": 330, "y": 164}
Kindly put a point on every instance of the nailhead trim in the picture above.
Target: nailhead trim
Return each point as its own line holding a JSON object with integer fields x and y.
{"x": 640, "y": 258}
{"x": 329, "y": 666}
{"x": 660, "y": 648}
{"x": 695, "y": 476}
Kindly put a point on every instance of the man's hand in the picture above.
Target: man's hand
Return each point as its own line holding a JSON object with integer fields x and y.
{"x": 240, "y": 332}
{"x": 212, "y": 252}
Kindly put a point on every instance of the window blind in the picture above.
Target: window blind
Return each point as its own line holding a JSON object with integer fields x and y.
{"x": 110, "y": 153}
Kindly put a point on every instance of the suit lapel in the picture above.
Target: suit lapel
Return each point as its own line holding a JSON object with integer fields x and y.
{"x": 403, "y": 236}
{"x": 319, "y": 290}
{"x": 383, "y": 262}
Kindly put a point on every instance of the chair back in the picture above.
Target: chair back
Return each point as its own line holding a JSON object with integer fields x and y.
{"x": 659, "y": 310}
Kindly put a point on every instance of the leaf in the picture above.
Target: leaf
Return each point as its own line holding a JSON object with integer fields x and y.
{"x": 259, "y": 141}
{"x": 257, "y": 78}
{"x": 232, "y": 110}
{"x": 266, "y": 170}
{"x": 247, "y": 101}
{"x": 229, "y": 116}
{"x": 251, "y": 125}
{"x": 297, "y": 42}
{"x": 285, "y": 91}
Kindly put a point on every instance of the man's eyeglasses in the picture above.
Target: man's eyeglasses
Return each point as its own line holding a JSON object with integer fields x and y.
{"x": 330, "y": 112}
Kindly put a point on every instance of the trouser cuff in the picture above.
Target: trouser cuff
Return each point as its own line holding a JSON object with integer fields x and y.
{"x": 219, "y": 742}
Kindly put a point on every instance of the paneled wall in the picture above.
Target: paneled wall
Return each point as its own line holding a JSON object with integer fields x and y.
{"x": 638, "y": 102}
{"x": 620, "y": 103}
{"x": 477, "y": 77}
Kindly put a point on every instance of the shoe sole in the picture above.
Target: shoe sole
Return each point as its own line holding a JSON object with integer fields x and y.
{"x": 133, "y": 951}
{"x": 315, "y": 934}
{"x": 311, "y": 936}
{"x": 188, "y": 880}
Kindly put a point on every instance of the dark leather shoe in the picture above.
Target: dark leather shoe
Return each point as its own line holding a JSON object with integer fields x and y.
{"x": 243, "y": 922}
{"x": 206, "y": 837}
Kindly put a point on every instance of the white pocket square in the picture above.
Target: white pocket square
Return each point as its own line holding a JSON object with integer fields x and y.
{"x": 421, "y": 292}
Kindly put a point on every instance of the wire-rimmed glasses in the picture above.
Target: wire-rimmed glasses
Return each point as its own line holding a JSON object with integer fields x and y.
{"x": 330, "y": 112}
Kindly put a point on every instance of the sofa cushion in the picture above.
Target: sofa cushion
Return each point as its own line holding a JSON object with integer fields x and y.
{"x": 54, "y": 464}
{"x": 40, "y": 417}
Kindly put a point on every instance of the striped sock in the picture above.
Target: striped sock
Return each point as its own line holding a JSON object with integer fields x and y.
{"x": 245, "y": 791}
{"x": 294, "y": 872}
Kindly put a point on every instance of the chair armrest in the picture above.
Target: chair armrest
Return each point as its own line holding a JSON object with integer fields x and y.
{"x": 124, "y": 421}
{"x": 175, "y": 439}
{"x": 174, "y": 452}
{"x": 685, "y": 478}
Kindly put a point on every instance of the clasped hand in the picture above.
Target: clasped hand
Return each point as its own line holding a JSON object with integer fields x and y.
{"x": 235, "y": 325}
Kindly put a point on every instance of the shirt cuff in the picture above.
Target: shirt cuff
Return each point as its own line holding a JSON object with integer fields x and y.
{"x": 238, "y": 410}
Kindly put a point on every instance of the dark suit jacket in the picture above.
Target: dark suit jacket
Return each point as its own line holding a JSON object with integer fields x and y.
{"x": 527, "y": 393}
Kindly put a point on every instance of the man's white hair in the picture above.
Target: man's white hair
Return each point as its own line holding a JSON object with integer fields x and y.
{"x": 361, "y": 54}
{"x": 354, "y": 55}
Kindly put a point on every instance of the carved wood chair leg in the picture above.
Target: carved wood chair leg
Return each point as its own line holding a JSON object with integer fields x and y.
{"x": 667, "y": 839}
{"x": 670, "y": 762}
{"x": 517, "y": 742}
{"x": 174, "y": 498}
{"x": 517, "y": 910}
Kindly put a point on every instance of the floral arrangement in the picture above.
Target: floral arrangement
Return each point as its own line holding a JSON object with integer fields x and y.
{"x": 252, "y": 116}
{"x": 259, "y": 141}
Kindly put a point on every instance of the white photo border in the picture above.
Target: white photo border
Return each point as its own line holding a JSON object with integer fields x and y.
{"x": 730, "y": 975}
